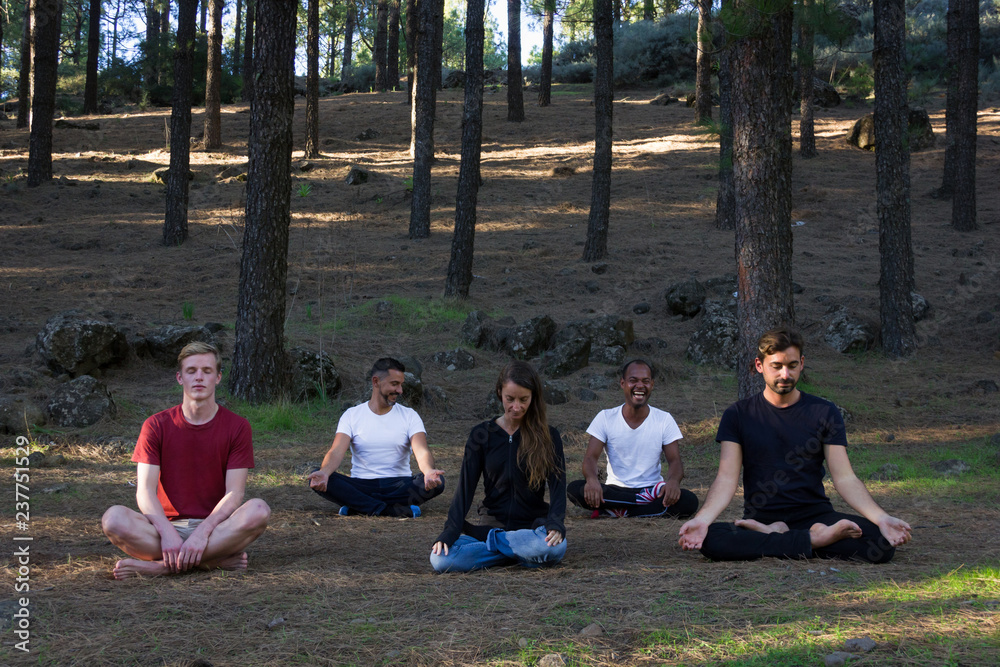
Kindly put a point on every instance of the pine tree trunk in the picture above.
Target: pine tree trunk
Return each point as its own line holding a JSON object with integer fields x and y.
{"x": 77, "y": 32}
{"x": 213, "y": 83}
{"x": 204, "y": 15}
{"x": 648, "y": 10}
{"x": 93, "y": 52}
{"x": 545, "y": 85}
{"x": 515, "y": 92}
{"x": 807, "y": 72}
{"x": 381, "y": 30}
{"x": 438, "y": 47}
{"x": 151, "y": 65}
{"x": 258, "y": 369}
{"x": 247, "y": 92}
{"x": 165, "y": 18}
{"x": 175, "y": 224}
{"x": 951, "y": 114}
{"x": 423, "y": 120}
{"x": 760, "y": 65}
{"x": 392, "y": 60}
{"x": 725, "y": 203}
{"x": 312, "y": 80}
{"x": 345, "y": 64}
{"x": 459, "y": 277}
{"x": 46, "y": 19}
{"x": 892, "y": 179}
{"x": 963, "y": 207}
{"x": 411, "y": 49}
{"x": 24, "y": 75}
{"x": 703, "y": 65}
{"x": 596, "y": 246}
{"x": 237, "y": 38}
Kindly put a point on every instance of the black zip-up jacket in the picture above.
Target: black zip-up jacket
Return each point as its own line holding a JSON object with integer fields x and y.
{"x": 491, "y": 453}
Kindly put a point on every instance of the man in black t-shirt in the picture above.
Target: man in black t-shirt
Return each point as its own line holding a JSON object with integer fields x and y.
{"x": 781, "y": 438}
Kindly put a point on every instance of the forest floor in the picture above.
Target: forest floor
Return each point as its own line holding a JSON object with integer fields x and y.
{"x": 355, "y": 590}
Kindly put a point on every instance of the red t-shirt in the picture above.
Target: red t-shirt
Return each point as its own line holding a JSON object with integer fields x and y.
{"x": 193, "y": 459}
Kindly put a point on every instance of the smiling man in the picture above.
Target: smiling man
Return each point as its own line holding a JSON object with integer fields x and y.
{"x": 781, "y": 438}
{"x": 380, "y": 435}
{"x": 192, "y": 461}
{"x": 635, "y": 435}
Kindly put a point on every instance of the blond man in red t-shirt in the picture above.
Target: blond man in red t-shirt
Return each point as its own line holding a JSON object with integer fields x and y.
{"x": 193, "y": 461}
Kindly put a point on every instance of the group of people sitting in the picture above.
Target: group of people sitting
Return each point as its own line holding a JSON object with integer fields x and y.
{"x": 193, "y": 461}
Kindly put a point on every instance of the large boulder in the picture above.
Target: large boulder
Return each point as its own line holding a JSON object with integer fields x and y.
{"x": 311, "y": 374}
{"x": 567, "y": 357}
{"x": 482, "y": 331}
{"x": 824, "y": 94}
{"x": 921, "y": 133}
{"x": 455, "y": 79}
{"x": 413, "y": 390}
{"x": 455, "y": 360}
{"x": 530, "y": 338}
{"x": 846, "y": 333}
{"x": 716, "y": 340}
{"x": 685, "y": 298}
{"x": 609, "y": 336}
{"x": 556, "y": 392}
{"x": 165, "y": 343}
{"x": 18, "y": 415}
{"x": 920, "y": 307}
{"x": 81, "y": 402}
{"x": 76, "y": 344}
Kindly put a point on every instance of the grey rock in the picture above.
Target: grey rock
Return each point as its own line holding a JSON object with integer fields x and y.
{"x": 592, "y": 286}
{"x": 35, "y": 459}
{"x": 81, "y": 402}
{"x": 951, "y": 467}
{"x": 492, "y": 406}
{"x": 860, "y": 645}
{"x": 56, "y": 488}
{"x": 528, "y": 339}
{"x": 367, "y": 134}
{"x": 312, "y": 374}
{"x": 838, "y": 659}
{"x": 77, "y": 344}
{"x": 584, "y": 394}
{"x": 413, "y": 390}
{"x": 600, "y": 268}
{"x": 592, "y": 630}
{"x": 434, "y": 396}
{"x": 552, "y": 660}
{"x": 887, "y": 473}
{"x": 995, "y": 440}
{"x": 567, "y": 357}
{"x": 237, "y": 171}
{"x": 275, "y": 623}
{"x": 165, "y": 343}
{"x": 556, "y": 392}
{"x": 482, "y": 331}
{"x": 685, "y": 298}
{"x": 715, "y": 341}
{"x": 411, "y": 364}
{"x": 162, "y": 173}
{"x": 455, "y": 79}
{"x": 602, "y": 382}
{"x": 983, "y": 317}
{"x": 455, "y": 360}
{"x": 981, "y": 388}
{"x": 921, "y": 133}
{"x": 846, "y": 333}
{"x": 18, "y": 415}
{"x": 603, "y": 331}
{"x": 53, "y": 461}
{"x": 920, "y": 307}
{"x": 357, "y": 176}
{"x": 214, "y": 327}
{"x": 648, "y": 345}
{"x": 640, "y": 308}
{"x": 613, "y": 355}
{"x": 663, "y": 99}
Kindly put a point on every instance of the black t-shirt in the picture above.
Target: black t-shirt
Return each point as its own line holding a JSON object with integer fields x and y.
{"x": 782, "y": 453}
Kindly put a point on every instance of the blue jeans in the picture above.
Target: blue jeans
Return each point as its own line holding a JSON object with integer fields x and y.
{"x": 503, "y": 547}
{"x": 372, "y": 496}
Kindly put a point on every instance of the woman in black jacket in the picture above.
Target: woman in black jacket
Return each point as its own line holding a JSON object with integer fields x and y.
{"x": 516, "y": 455}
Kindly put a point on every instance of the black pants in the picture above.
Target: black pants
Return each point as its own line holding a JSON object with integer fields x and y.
{"x": 727, "y": 541}
{"x": 372, "y": 496}
{"x": 622, "y": 501}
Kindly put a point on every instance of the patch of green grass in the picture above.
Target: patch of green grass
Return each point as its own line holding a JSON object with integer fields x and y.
{"x": 187, "y": 310}
{"x": 286, "y": 418}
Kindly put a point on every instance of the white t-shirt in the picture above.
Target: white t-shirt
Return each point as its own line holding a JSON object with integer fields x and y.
{"x": 634, "y": 454}
{"x": 380, "y": 444}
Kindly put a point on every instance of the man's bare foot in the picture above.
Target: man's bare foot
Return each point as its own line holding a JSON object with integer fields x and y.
{"x": 821, "y": 535}
{"x": 234, "y": 563}
{"x": 751, "y": 524}
{"x": 132, "y": 567}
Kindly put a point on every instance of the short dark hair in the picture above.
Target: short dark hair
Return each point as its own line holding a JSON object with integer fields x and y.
{"x": 382, "y": 367}
{"x": 637, "y": 360}
{"x": 779, "y": 340}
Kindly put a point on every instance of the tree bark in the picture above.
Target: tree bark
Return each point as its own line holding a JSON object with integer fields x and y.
{"x": 411, "y": 47}
{"x": 459, "y": 277}
{"x": 175, "y": 224}
{"x": 963, "y": 206}
{"x": 152, "y": 45}
{"x": 258, "y": 369}
{"x": 423, "y": 120}
{"x": 648, "y": 10}
{"x": 247, "y": 93}
{"x": 725, "y": 203}
{"x": 238, "y": 43}
{"x": 515, "y": 92}
{"x": 807, "y": 72}
{"x": 213, "y": 83}
{"x": 392, "y": 60}
{"x": 381, "y": 55}
{"x": 93, "y": 52}
{"x": 165, "y": 18}
{"x": 46, "y": 19}
{"x": 951, "y": 130}
{"x": 312, "y": 80}
{"x": 438, "y": 47}
{"x": 345, "y": 65}
{"x": 545, "y": 84}
{"x": 596, "y": 246}
{"x": 703, "y": 65}
{"x": 760, "y": 64}
{"x": 24, "y": 75}
{"x": 204, "y": 15}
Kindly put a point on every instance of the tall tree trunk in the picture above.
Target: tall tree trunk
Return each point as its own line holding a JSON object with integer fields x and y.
{"x": 165, "y": 18}
{"x": 152, "y": 45}
{"x": 807, "y": 72}
{"x": 3, "y": 22}
{"x": 247, "y": 93}
{"x": 204, "y": 15}
{"x": 951, "y": 130}
{"x": 258, "y": 371}
{"x": 93, "y": 52}
{"x": 760, "y": 64}
{"x": 460, "y": 266}
{"x": 545, "y": 84}
{"x": 381, "y": 30}
{"x": 596, "y": 246}
{"x": 24, "y": 75}
{"x": 238, "y": 43}
{"x": 515, "y": 92}
{"x": 392, "y": 60}
{"x": 46, "y": 19}
{"x": 703, "y": 65}
{"x": 963, "y": 207}
{"x": 423, "y": 120}
{"x": 648, "y": 10}
{"x": 312, "y": 80}
{"x": 213, "y": 83}
{"x": 175, "y": 224}
{"x": 411, "y": 47}
{"x": 438, "y": 47}
{"x": 892, "y": 179}
{"x": 77, "y": 32}
{"x": 345, "y": 66}
{"x": 725, "y": 203}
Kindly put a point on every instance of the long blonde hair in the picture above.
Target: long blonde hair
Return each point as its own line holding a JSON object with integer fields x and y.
{"x": 536, "y": 456}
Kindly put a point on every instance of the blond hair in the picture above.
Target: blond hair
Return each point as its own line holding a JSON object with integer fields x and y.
{"x": 199, "y": 347}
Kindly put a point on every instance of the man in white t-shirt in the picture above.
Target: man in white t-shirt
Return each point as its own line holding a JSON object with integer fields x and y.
{"x": 380, "y": 435}
{"x": 634, "y": 435}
